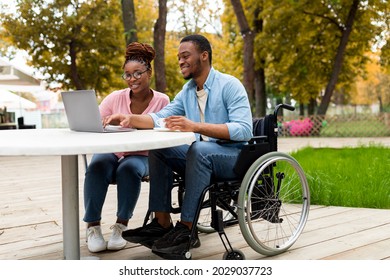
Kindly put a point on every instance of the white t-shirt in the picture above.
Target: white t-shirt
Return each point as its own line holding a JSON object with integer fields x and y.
{"x": 202, "y": 99}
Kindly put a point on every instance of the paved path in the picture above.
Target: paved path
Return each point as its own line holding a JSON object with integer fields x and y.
{"x": 288, "y": 145}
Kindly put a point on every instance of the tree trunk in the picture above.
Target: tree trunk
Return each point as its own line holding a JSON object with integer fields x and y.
{"x": 312, "y": 107}
{"x": 260, "y": 84}
{"x": 301, "y": 109}
{"x": 73, "y": 67}
{"x": 338, "y": 63}
{"x": 381, "y": 110}
{"x": 129, "y": 21}
{"x": 248, "y": 37}
{"x": 159, "y": 46}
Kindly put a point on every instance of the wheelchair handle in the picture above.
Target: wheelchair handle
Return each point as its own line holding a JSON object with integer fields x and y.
{"x": 283, "y": 106}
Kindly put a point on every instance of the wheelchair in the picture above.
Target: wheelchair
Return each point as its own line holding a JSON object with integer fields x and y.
{"x": 270, "y": 199}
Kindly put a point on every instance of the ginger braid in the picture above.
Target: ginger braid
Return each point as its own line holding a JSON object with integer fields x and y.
{"x": 140, "y": 52}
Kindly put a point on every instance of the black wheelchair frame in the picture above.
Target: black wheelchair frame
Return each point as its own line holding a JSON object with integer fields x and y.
{"x": 269, "y": 196}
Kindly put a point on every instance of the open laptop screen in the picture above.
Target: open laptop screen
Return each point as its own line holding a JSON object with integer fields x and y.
{"x": 82, "y": 112}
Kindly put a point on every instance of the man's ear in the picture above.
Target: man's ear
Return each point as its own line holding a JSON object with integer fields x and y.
{"x": 205, "y": 56}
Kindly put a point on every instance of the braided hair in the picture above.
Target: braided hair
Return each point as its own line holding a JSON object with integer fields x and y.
{"x": 140, "y": 52}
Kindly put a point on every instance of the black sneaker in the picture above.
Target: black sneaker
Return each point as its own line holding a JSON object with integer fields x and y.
{"x": 175, "y": 242}
{"x": 146, "y": 234}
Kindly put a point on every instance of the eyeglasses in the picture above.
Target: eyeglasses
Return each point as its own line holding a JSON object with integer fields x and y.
{"x": 136, "y": 75}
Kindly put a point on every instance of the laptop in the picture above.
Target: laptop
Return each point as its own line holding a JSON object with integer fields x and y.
{"x": 82, "y": 112}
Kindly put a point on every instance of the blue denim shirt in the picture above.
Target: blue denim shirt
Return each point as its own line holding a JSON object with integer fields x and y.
{"x": 227, "y": 103}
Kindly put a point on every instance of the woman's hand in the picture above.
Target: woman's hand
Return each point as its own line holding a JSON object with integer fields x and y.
{"x": 117, "y": 119}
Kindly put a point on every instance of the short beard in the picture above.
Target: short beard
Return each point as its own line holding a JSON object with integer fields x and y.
{"x": 189, "y": 77}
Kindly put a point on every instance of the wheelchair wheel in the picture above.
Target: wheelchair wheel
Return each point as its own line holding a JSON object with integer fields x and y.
{"x": 274, "y": 201}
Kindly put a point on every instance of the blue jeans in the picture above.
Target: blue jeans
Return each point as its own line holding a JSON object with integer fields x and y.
{"x": 199, "y": 163}
{"x": 104, "y": 169}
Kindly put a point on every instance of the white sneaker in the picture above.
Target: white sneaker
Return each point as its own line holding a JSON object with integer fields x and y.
{"x": 95, "y": 239}
{"x": 116, "y": 241}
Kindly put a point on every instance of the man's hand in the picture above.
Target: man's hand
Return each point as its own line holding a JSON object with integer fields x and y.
{"x": 180, "y": 123}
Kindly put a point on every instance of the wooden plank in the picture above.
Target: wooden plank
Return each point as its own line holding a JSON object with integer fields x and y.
{"x": 31, "y": 222}
{"x": 371, "y": 251}
{"x": 325, "y": 248}
{"x": 29, "y": 240}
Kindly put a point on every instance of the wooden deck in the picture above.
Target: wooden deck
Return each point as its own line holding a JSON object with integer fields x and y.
{"x": 31, "y": 222}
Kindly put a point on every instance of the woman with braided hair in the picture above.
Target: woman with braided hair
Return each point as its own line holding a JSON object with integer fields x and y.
{"x": 126, "y": 169}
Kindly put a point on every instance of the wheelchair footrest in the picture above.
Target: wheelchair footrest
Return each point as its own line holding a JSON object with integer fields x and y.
{"x": 185, "y": 255}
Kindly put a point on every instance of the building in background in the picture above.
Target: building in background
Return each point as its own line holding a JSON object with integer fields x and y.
{"x": 14, "y": 83}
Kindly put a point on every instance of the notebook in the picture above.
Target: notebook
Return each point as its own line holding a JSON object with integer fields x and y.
{"x": 82, "y": 112}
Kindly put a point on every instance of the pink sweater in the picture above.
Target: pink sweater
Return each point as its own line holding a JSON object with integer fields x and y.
{"x": 119, "y": 102}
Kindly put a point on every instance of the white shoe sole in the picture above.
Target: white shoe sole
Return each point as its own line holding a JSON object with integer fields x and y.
{"x": 115, "y": 247}
{"x": 96, "y": 250}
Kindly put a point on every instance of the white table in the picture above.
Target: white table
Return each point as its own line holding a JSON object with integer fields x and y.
{"x": 69, "y": 144}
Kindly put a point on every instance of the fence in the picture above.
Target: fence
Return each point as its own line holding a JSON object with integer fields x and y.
{"x": 354, "y": 125}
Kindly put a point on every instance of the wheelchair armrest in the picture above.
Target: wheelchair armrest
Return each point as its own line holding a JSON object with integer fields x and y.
{"x": 227, "y": 141}
{"x": 253, "y": 140}
{"x": 258, "y": 139}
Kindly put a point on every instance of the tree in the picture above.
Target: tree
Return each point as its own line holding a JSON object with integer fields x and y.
{"x": 6, "y": 47}
{"x": 345, "y": 30}
{"x": 190, "y": 16}
{"x": 384, "y": 42}
{"x": 250, "y": 25}
{"x": 129, "y": 21}
{"x": 194, "y": 16}
{"x": 260, "y": 78}
{"x": 78, "y": 43}
{"x": 373, "y": 87}
{"x": 159, "y": 45}
{"x": 248, "y": 37}
{"x": 315, "y": 45}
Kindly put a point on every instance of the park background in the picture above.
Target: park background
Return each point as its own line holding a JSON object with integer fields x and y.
{"x": 328, "y": 58}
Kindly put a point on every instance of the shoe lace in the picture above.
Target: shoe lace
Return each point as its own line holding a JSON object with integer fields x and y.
{"x": 116, "y": 230}
{"x": 175, "y": 232}
{"x": 93, "y": 232}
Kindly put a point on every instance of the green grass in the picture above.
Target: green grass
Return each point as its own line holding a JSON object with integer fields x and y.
{"x": 352, "y": 177}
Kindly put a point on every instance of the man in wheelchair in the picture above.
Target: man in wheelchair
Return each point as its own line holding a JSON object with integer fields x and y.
{"x": 215, "y": 107}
